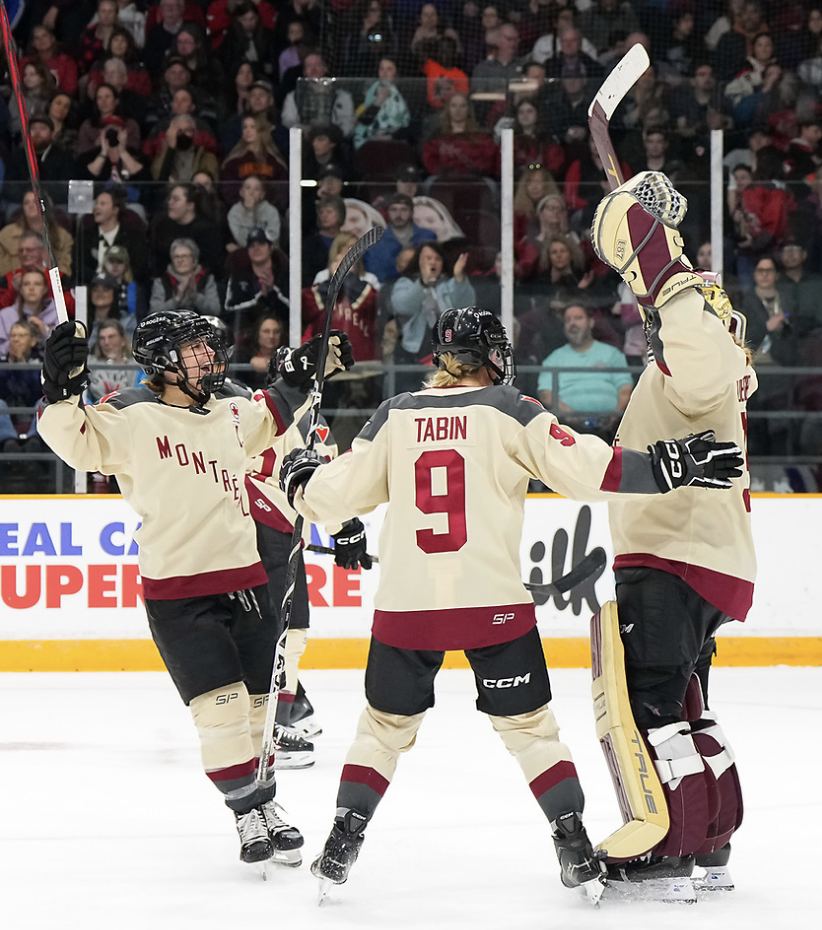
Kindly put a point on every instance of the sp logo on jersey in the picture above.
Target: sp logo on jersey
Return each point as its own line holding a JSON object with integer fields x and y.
{"x": 235, "y": 419}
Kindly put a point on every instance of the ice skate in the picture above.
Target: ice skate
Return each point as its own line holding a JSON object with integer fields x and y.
{"x": 666, "y": 880}
{"x": 717, "y": 875}
{"x": 255, "y": 843}
{"x": 302, "y": 715}
{"x": 580, "y": 865}
{"x": 340, "y": 852}
{"x": 291, "y": 751}
{"x": 285, "y": 839}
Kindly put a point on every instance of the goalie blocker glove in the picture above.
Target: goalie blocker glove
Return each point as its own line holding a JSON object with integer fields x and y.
{"x": 350, "y": 546}
{"x": 298, "y": 367}
{"x": 297, "y": 468}
{"x": 695, "y": 461}
{"x": 65, "y": 369}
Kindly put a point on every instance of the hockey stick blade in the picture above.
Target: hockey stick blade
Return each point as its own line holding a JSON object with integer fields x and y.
{"x": 593, "y": 562}
{"x": 614, "y": 88}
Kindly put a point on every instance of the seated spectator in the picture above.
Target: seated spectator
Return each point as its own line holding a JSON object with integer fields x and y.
{"x": 254, "y": 154}
{"x": 33, "y": 305}
{"x": 531, "y": 144}
{"x": 330, "y": 218}
{"x": 475, "y": 22}
{"x": 565, "y": 115}
{"x": 257, "y": 289}
{"x": 132, "y": 19}
{"x": 656, "y": 157}
{"x": 502, "y": 66}
{"x": 37, "y": 90}
{"x": 460, "y": 150}
{"x": 247, "y": 39}
{"x": 329, "y": 184}
{"x": 430, "y": 28}
{"x": 368, "y": 38}
{"x": 207, "y": 75}
{"x": 236, "y": 90}
{"x": 180, "y": 158}
{"x": 325, "y": 147}
{"x": 360, "y": 217}
{"x": 131, "y": 295}
{"x": 111, "y": 223}
{"x": 299, "y": 39}
{"x": 802, "y": 157}
{"x": 252, "y": 211}
{"x": 122, "y": 69}
{"x": 182, "y": 104}
{"x": 29, "y": 219}
{"x": 432, "y": 214}
{"x": 21, "y": 387}
{"x": 113, "y": 163}
{"x": 698, "y": 107}
{"x": 182, "y": 218}
{"x": 43, "y": 48}
{"x": 678, "y": 56}
{"x": 161, "y": 35}
{"x": 185, "y": 285}
{"x": 109, "y": 356}
{"x": 573, "y": 60}
{"x": 176, "y": 76}
{"x": 548, "y": 45}
{"x": 745, "y": 23}
{"x": 106, "y": 105}
{"x": 104, "y": 305}
{"x": 444, "y": 78}
{"x": 800, "y": 288}
{"x": 401, "y": 233}
{"x": 554, "y": 261}
{"x": 534, "y": 184}
{"x": 316, "y": 102}
{"x": 589, "y": 401}
{"x": 643, "y": 105}
{"x": 417, "y": 300}
{"x": 94, "y": 41}
{"x": 604, "y": 20}
{"x": 218, "y": 16}
{"x": 32, "y": 255}
{"x": 63, "y": 116}
{"x": 750, "y": 72}
{"x": 407, "y": 181}
{"x": 268, "y": 336}
{"x": 258, "y": 102}
{"x": 810, "y": 70}
{"x": 384, "y": 113}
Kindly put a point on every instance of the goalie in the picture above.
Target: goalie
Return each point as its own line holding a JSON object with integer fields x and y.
{"x": 684, "y": 562}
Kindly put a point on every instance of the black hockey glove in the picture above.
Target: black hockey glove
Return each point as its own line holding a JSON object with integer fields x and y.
{"x": 297, "y": 367}
{"x": 65, "y": 372}
{"x": 297, "y": 468}
{"x": 695, "y": 461}
{"x": 351, "y": 546}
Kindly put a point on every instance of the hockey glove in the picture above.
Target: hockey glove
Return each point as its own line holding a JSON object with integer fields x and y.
{"x": 298, "y": 367}
{"x": 297, "y": 468}
{"x": 65, "y": 372}
{"x": 351, "y": 546}
{"x": 695, "y": 461}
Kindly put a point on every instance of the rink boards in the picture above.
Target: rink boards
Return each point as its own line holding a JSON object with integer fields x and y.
{"x": 70, "y": 594}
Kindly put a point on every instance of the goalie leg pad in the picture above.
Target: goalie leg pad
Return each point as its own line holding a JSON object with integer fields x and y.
{"x": 372, "y": 759}
{"x": 719, "y": 757}
{"x": 637, "y": 785}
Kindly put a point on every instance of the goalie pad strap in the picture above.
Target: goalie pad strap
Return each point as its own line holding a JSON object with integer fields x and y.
{"x": 721, "y": 762}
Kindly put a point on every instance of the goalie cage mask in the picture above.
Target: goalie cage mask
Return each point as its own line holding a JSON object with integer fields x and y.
{"x": 157, "y": 345}
{"x": 475, "y": 337}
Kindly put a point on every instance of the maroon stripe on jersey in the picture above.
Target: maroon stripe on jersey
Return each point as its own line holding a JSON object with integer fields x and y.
{"x": 613, "y": 473}
{"x": 458, "y": 628}
{"x": 365, "y": 775}
{"x": 271, "y": 403}
{"x": 733, "y": 596}
{"x": 264, "y": 510}
{"x": 233, "y": 772}
{"x": 221, "y": 582}
{"x": 551, "y": 777}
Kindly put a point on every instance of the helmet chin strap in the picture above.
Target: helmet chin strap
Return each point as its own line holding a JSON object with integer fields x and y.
{"x": 199, "y": 397}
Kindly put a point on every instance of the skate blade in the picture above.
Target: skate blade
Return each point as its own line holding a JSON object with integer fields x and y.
{"x": 290, "y": 858}
{"x": 264, "y": 868}
{"x": 712, "y": 882}
{"x": 293, "y": 760}
{"x": 325, "y": 886}
{"x": 593, "y": 890}
{"x": 653, "y": 890}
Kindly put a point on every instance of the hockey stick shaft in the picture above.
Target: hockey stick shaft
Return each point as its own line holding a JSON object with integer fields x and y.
{"x": 593, "y": 562}
{"x": 351, "y": 257}
{"x": 31, "y": 158}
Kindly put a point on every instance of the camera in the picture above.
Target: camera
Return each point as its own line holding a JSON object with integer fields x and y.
{"x": 112, "y": 138}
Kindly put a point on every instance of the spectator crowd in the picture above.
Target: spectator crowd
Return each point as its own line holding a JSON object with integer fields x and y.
{"x": 176, "y": 114}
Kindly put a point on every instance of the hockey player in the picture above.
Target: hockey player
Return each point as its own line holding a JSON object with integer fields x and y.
{"x": 453, "y": 463}
{"x": 684, "y": 563}
{"x": 180, "y": 455}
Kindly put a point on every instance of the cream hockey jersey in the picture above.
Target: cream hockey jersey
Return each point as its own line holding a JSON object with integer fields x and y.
{"x": 182, "y": 470}
{"x": 700, "y": 380}
{"x": 453, "y": 465}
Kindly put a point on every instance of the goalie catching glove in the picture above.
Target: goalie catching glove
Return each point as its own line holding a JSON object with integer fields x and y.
{"x": 65, "y": 369}
{"x": 297, "y": 468}
{"x": 298, "y": 367}
{"x": 635, "y": 232}
{"x": 695, "y": 461}
{"x": 351, "y": 546}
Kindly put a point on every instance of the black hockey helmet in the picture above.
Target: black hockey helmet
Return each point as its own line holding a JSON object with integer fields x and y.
{"x": 159, "y": 338}
{"x": 223, "y": 330}
{"x": 475, "y": 337}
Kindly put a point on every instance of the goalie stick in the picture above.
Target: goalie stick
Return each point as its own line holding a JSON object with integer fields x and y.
{"x": 593, "y": 562}
{"x": 628, "y": 71}
{"x": 351, "y": 257}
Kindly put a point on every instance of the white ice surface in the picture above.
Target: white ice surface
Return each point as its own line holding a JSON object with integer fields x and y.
{"x": 107, "y": 822}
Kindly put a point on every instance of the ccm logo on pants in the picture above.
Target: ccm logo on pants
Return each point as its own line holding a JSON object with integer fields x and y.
{"x": 507, "y": 682}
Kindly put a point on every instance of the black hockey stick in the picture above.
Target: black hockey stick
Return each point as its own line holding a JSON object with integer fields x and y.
{"x": 351, "y": 257}
{"x": 592, "y": 562}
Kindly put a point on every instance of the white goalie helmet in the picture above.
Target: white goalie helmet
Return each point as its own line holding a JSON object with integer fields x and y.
{"x": 719, "y": 302}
